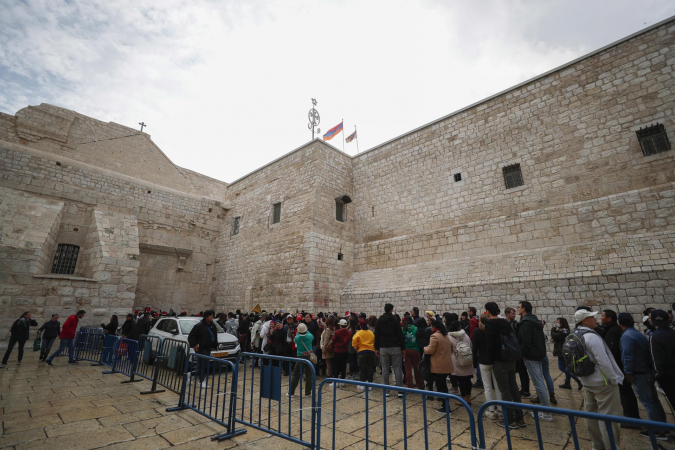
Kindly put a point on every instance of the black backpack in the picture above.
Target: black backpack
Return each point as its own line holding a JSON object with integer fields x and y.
{"x": 576, "y": 356}
{"x": 510, "y": 350}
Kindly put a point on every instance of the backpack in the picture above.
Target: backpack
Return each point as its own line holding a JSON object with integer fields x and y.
{"x": 510, "y": 350}
{"x": 576, "y": 356}
{"x": 410, "y": 338}
{"x": 464, "y": 354}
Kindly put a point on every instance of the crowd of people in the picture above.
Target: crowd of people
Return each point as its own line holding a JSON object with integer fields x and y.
{"x": 614, "y": 363}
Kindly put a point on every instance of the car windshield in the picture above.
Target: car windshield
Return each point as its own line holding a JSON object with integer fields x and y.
{"x": 187, "y": 325}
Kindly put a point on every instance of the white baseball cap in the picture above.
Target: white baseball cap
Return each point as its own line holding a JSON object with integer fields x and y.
{"x": 583, "y": 314}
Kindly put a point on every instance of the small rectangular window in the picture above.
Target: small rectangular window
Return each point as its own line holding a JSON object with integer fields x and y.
{"x": 65, "y": 259}
{"x": 340, "y": 211}
{"x": 458, "y": 177}
{"x": 653, "y": 139}
{"x": 276, "y": 213}
{"x": 235, "y": 230}
{"x": 340, "y": 256}
{"x": 513, "y": 177}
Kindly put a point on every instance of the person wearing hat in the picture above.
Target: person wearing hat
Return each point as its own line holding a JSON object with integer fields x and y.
{"x": 637, "y": 370}
{"x": 340, "y": 342}
{"x": 662, "y": 351}
{"x": 601, "y": 388}
{"x": 303, "y": 344}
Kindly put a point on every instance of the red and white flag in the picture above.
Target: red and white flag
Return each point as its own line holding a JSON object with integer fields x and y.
{"x": 351, "y": 137}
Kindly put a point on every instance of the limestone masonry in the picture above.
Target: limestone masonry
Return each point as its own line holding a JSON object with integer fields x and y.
{"x": 560, "y": 191}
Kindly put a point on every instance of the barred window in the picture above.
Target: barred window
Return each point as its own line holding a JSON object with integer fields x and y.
{"x": 65, "y": 259}
{"x": 513, "y": 177}
{"x": 276, "y": 213}
{"x": 237, "y": 221}
{"x": 653, "y": 139}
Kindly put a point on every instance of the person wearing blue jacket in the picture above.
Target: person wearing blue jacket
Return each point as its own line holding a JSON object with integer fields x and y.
{"x": 637, "y": 368}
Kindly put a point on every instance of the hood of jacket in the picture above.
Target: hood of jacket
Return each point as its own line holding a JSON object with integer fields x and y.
{"x": 457, "y": 334}
{"x": 531, "y": 319}
{"x": 501, "y": 325}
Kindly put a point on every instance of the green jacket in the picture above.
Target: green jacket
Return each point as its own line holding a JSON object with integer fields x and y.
{"x": 410, "y": 335}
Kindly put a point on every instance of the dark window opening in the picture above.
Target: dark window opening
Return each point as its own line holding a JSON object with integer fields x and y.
{"x": 653, "y": 139}
{"x": 513, "y": 177}
{"x": 340, "y": 256}
{"x": 149, "y": 192}
{"x": 458, "y": 177}
{"x": 276, "y": 213}
{"x": 65, "y": 259}
{"x": 373, "y": 210}
{"x": 237, "y": 221}
{"x": 58, "y": 163}
{"x": 210, "y": 209}
{"x": 76, "y": 230}
{"x": 340, "y": 210}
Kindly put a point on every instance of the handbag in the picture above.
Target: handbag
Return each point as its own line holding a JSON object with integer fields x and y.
{"x": 424, "y": 367}
{"x": 36, "y": 343}
{"x": 312, "y": 357}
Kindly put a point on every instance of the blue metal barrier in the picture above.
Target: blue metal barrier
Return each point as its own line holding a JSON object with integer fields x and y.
{"x": 205, "y": 391}
{"x": 447, "y": 398}
{"x": 171, "y": 363}
{"x": 109, "y": 352}
{"x": 126, "y": 358}
{"x": 571, "y": 415}
{"x": 89, "y": 347}
{"x": 146, "y": 362}
{"x": 267, "y": 385}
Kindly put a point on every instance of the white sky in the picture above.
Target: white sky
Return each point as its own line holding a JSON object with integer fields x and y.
{"x": 225, "y": 86}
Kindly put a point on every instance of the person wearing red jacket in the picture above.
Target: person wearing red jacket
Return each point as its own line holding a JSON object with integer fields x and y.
{"x": 340, "y": 341}
{"x": 67, "y": 338}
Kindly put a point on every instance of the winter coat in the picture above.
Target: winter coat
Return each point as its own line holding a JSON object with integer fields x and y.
{"x": 635, "y": 353}
{"x": 143, "y": 326}
{"x": 199, "y": 335}
{"x": 493, "y": 329}
{"x": 559, "y": 335}
{"x": 612, "y": 337}
{"x": 440, "y": 349}
{"x": 455, "y": 338}
{"x": 313, "y": 329}
{"x": 606, "y": 369}
{"x": 410, "y": 334}
{"x": 244, "y": 328}
{"x": 231, "y": 326}
{"x": 51, "y": 329}
{"x": 341, "y": 340}
{"x": 662, "y": 345}
{"x": 303, "y": 343}
{"x": 111, "y": 329}
{"x": 531, "y": 337}
{"x": 21, "y": 328}
{"x": 69, "y": 328}
{"x": 326, "y": 337}
{"x": 264, "y": 332}
{"x": 290, "y": 330}
{"x": 474, "y": 324}
{"x": 127, "y": 328}
{"x": 388, "y": 332}
{"x": 255, "y": 332}
{"x": 479, "y": 348}
{"x": 364, "y": 341}
{"x": 279, "y": 338}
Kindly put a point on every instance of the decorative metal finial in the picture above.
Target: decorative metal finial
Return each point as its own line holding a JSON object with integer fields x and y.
{"x": 142, "y": 124}
{"x": 314, "y": 118}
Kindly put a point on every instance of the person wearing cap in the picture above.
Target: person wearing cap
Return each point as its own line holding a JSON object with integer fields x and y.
{"x": 390, "y": 345}
{"x": 662, "y": 352}
{"x": 601, "y": 388}
{"x": 364, "y": 344}
{"x": 303, "y": 344}
{"x": 637, "y": 369}
{"x": 340, "y": 342}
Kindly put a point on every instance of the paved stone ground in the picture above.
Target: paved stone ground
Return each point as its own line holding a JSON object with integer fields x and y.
{"x": 77, "y": 407}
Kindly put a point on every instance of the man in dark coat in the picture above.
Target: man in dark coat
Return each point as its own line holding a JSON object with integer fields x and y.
{"x": 19, "y": 334}
{"x": 203, "y": 338}
{"x": 390, "y": 345}
{"x": 143, "y": 326}
{"x": 662, "y": 345}
{"x": 128, "y": 326}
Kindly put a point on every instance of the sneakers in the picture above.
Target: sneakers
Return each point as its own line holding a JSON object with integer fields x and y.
{"x": 442, "y": 410}
{"x": 18, "y": 363}
{"x": 289, "y": 395}
{"x": 512, "y": 425}
{"x": 400, "y": 395}
{"x": 521, "y": 423}
{"x": 361, "y": 388}
{"x": 659, "y": 436}
{"x": 524, "y": 394}
{"x": 565, "y": 386}
{"x": 535, "y": 399}
{"x": 2, "y": 366}
{"x": 338, "y": 384}
{"x": 73, "y": 363}
{"x": 490, "y": 415}
{"x": 204, "y": 385}
{"x": 49, "y": 363}
{"x": 543, "y": 416}
{"x": 552, "y": 399}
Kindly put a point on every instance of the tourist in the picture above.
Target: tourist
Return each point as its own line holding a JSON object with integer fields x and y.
{"x": 264, "y": 334}
{"x": 111, "y": 328}
{"x": 559, "y": 333}
{"x": 364, "y": 343}
{"x": 67, "y": 338}
{"x": 601, "y": 388}
{"x": 143, "y": 326}
{"x": 482, "y": 362}
{"x": 231, "y": 325}
{"x": 50, "y": 331}
{"x": 18, "y": 334}
{"x": 510, "y": 315}
{"x": 462, "y": 359}
{"x": 327, "y": 345}
{"x": 464, "y": 322}
{"x": 390, "y": 346}
{"x": 473, "y": 326}
{"x": 351, "y": 352}
{"x": 128, "y": 326}
{"x": 255, "y": 333}
{"x": 662, "y": 345}
{"x": 612, "y": 336}
{"x": 637, "y": 369}
{"x": 303, "y": 344}
{"x": 340, "y": 342}
{"x": 440, "y": 349}
{"x": 412, "y": 354}
{"x": 221, "y": 319}
{"x": 244, "y": 332}
{"x": 504, "y": 367}
{"x": 203, "y": 338}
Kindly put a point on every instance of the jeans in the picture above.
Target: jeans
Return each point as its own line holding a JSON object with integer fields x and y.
{"x": 547, "y": 376}
{"x": 489, "y": 385}
{"x": 367, "y": 363}
{"x": 10, "y": 346}
{"x": 536, "y": 371}
{"x": 46, "y": 347}
{"x": 505, "y": 374}
{"x": 412, "y": 362}
{"x": 563, "y": 368}
{"x": 524, "y": 378}
{"x": 70, "y": 343}
{"x": 643, "y": 386}
{"x": 295, "y": 379}
{"x": 603, "y": 400}
{"x": 391, "y": 358}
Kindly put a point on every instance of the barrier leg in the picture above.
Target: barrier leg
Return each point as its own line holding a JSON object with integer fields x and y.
{"x": 181, "y": 401}
{"x": 232, "y": 410}
{"x": 134, "y": 361}
{"x": 155, "y": 373}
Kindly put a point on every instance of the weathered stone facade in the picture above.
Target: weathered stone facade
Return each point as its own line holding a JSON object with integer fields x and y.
{"x": 593, "y": 223}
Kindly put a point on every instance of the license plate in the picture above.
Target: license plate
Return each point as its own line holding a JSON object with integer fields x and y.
{"x": 220, "y": 354}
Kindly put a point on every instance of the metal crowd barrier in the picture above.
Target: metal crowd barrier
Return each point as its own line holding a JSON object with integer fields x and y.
{"x": 89, "y": 346}
{"x": 209, "y": 389}
{"x": 407, "y": 392}
{"x": 170, "y": 364}
{"x": 571, "y": 416}
{"x": 146, "y": 365}
{"x": 92, "y": 330}
{"x": 126, "y": 358}
{"x": 264, "y": 384}
{"x": 109, "y": 351}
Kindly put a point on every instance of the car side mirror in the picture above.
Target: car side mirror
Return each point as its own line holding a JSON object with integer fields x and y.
{"x": 174, "y": 332}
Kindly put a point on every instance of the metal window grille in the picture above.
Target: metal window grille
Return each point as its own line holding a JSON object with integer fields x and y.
{"x": 276, "y": 213}
{"x": 236, "y": 225}
{"x": 513, "y": 177}
{"x": 653, "y": 139}
{"x": 340, "y": 211}
{"x": 458, "y": 177}
{"x": 65, "y": 259}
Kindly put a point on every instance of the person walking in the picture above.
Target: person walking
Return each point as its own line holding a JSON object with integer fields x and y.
{"x": 303, "y": 344}
{"x": 203, "y": 338}
{"x": 327, "y": 345}
{"x": 482, "y": 362}
{"x": 559, "y": 333}
{"x": 50, "y": 331}
{"x": 440, "y": 349}
{"x": 462, "y": 359}
{"x": 364, "y": 344}
{"x": 111, "y": 328}
{"x": 601, "y": 387}
{"x": 637, "y": 369}
{"x": 18, "y": 334}
{"x": 412, "y": 355}
{"x": 390, "y": 346}
{"x": 662, "y": 346}
{"x": 67, "y": 338}
{"x": 340, "y": 342}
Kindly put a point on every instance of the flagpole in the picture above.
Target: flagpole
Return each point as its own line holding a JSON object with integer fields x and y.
{"x": 343, "y": 135}
{"x": 357, "y": 140}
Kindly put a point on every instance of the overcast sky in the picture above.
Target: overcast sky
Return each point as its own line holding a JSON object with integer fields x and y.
{"x": 225, "y": 86}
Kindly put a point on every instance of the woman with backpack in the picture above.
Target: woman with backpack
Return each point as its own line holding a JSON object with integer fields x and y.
{"x": 412, "y": 354}
{"x": 462, "y": 359}
{"x": 558, "y": 335}
{"x": 440, "y": 349}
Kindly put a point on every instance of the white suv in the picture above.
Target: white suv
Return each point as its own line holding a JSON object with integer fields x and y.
{"x": 179, "y": 328}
